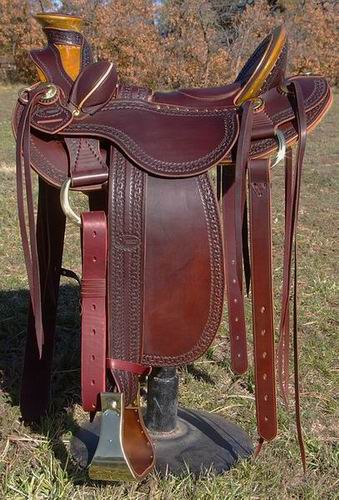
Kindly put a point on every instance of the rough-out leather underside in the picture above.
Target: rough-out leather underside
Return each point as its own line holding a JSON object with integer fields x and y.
{"x": 165, "y": 140}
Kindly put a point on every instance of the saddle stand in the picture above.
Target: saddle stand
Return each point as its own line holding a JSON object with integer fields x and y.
{"x": 160, "y": 244}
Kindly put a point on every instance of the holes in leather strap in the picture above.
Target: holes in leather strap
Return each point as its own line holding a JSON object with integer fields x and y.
{"x": 94, "y": 307}
{"x": 239, "y": 355}
{"x": 94, "y": 331}
{"x": 93, "y": 357}
{"x": 94, "y": 258}
{"x": 235, "y": 301}
{"x": 92, "y": 382}
{"x": 266, "y": 419}
{"x": 264, "y": 355}
{"x": 265, "y": 397}
{"x": 234, "y": 281}
{"x": 264, "y": 377}
{"x": 94, "y": 234}
{"x": 236, "y": 319}
{"x": 237, "y": 337}
{"x": 262, "y": 309}
{"x": 263, "y": 332}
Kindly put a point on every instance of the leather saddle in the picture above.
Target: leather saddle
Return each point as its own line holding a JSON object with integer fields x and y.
{"x": 160, "y": 244}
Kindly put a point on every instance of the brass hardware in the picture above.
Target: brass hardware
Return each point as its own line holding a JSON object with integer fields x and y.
{"x": 109, "y": 462}
{"x": 282, "y": 147}
{"x": 258, "y": 103}
{"x": 64, "y": 202}
{"x": 282, "y": 89}
{"x": 51, "y": 93}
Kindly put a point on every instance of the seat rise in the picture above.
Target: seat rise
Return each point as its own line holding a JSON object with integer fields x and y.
{"x": 144, "y": 159}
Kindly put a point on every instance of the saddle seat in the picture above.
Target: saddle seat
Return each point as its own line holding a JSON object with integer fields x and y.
{"x": 167, "y": 140}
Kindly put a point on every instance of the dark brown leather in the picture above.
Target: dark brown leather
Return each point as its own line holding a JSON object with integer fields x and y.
{"x": 95, "y": 86}
{"x": 205, "y": 136}
{"x": 36, "y": 375}
{"x": 48, "y": 60}
{"x": 234, "y": 288}
{"x": 167, "y": 247}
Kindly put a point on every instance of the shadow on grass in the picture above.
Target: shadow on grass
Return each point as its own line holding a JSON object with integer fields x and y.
{"x": 65, "y": 388}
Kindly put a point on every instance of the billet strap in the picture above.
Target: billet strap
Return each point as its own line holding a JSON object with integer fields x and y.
{"x": 292, "y": 200}
{"x": 235, "y": 298}
{"x": 233, "y": 208}
{"x": 262, "y": 296}
{"x": 93, "y": 301}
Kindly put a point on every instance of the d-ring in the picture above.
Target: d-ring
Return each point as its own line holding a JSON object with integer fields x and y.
{"x": 282, "y": 147}
{"x": 66, "y": 207}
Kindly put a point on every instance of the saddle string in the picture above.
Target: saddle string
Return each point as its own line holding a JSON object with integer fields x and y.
{"x": 292, "y": 200}
{"x": 29, "y": 239}
{"x": 242, "y": 154}
{"x": 284, "y": 327}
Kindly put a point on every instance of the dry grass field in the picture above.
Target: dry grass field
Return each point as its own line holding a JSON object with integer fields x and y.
{"x": 34, "y": 462}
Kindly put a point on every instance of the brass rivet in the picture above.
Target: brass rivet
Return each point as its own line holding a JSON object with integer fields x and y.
{"x": 258, "y": 103}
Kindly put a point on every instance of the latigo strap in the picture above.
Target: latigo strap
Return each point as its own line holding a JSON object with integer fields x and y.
{"x": 93, "y": 309}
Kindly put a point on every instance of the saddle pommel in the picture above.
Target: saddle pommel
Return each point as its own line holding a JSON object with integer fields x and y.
{"x": 67, "y": 50}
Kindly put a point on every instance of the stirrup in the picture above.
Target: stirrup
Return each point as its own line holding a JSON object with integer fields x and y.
{"x": 125, "y": 451}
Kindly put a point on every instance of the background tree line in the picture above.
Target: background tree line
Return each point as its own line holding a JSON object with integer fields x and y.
{"x": 169, "y": 43}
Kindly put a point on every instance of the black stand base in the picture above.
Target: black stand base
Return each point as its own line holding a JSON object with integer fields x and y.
{"x": 201, "y": 441}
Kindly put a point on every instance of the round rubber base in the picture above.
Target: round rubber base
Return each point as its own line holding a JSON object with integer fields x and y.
{"x": 201, "y": 441}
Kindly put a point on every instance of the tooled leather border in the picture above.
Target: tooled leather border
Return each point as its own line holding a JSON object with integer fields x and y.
{"x": 126, "y": 268}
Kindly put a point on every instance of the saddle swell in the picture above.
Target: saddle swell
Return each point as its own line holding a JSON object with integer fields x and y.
{"x": 173, "y": 245}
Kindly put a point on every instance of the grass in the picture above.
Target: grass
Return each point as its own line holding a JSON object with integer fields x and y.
{"x": 34, "y": 462}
